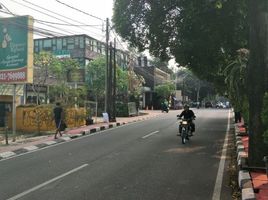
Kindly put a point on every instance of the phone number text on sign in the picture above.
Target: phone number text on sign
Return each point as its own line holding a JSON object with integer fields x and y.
{"x": 16, "y": 76}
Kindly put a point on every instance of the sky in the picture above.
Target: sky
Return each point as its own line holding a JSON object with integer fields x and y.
{"x": 65, "y": 17}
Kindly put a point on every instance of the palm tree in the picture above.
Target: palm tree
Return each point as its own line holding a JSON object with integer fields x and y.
{"x": 235, "y": 78}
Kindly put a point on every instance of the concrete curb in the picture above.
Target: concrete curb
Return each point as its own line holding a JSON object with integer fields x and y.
{"x": 67, "y": 137}
{"x": 244, "y": 178}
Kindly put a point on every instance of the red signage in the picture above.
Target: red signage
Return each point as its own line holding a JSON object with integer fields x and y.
{"x": 19, "y": 75}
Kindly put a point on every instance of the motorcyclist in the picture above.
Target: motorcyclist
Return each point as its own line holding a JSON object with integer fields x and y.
{"x": 189, "y": 116}
{"x": 164, "y": 106}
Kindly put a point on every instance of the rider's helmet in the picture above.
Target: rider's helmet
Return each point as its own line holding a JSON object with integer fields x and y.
{"x": 186, "y": 107}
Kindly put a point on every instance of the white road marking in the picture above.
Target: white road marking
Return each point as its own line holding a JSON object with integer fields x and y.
{"x": 46, "y": 183}
{"x": 50, "y": 142}
{"x": 7, "y": 154}
{"x": 65, "y": 138}
{"x": 54, "y": 143}
{"x": 150, "y": 134}
{"x": 219, "y": 179}
{"x": 30, "y": 148}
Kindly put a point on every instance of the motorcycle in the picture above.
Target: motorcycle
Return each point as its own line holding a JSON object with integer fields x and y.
{"x": 165, "y": 108}
{"x": 186, "y": 129}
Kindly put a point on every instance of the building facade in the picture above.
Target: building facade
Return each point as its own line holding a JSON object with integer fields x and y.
{"x": 83, "y": 48}
{"x": 153, "y": 77}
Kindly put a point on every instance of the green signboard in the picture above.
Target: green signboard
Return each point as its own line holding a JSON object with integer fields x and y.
{"x": 16, "y": 49}
{"x": 62, "y": 53}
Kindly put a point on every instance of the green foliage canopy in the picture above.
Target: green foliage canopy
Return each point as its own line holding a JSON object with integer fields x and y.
{"x": 200, "y": 34}
{"x": 165, "y": 90}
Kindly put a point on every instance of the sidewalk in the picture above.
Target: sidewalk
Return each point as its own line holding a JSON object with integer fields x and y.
{"x": 30, "y": 144}
{"x": 253, "y": 183}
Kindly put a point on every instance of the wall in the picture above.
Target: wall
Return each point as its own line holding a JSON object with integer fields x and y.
{"x": 32, "y": 119}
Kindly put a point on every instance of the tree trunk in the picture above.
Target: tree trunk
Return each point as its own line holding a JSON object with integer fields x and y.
{"x": 257, "y": 78}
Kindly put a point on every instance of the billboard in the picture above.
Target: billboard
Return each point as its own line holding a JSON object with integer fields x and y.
{"x": 16, "y": 50}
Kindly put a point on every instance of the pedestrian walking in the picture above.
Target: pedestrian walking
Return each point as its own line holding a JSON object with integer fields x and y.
{"x": 238, "y": 116}
{"x": 58, "y": 118}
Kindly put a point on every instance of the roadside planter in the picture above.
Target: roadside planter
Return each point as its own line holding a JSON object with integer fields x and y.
{"x": 265, "y": 159}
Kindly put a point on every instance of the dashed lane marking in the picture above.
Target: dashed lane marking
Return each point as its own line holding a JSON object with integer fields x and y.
{"x": 150, "y": 134}
{"x": 18, "y": 196}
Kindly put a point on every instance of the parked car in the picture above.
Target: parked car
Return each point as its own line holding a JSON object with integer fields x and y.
{"x": 220, "y": 105}
{"x": 208, "y": 104}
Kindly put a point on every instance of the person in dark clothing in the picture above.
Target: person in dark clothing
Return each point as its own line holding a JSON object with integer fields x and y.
{"x": 237, "y": 117}
{"x": 189, "y": 115}
{"x": 58, "y": 118}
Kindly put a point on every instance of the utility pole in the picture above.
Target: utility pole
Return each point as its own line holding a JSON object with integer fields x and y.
{"x": 107, "y": 65}
{"x": 14, "y": 113}
{"x": 110, "y": 85}
{"x": 114, "y": 83}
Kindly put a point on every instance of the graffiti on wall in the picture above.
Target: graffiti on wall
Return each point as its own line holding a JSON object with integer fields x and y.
{"x": 35, "y": 118}
{"x": 32, "y": 119}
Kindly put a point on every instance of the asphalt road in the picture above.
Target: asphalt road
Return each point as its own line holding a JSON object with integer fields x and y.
{"x": 139, "y": 161}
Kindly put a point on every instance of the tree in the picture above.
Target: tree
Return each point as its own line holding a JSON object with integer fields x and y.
{"x": 163, "y": 65}
{"x": 191, "y": 85}
{"x": 96, "y": 76}
{"x": 165, "y": 90}
{"x": 62, "y": 90}
{"x": 96, "y": 70}
{"x": 43, "y": 63}
{"x": 235, "y": 79}
{"x": 135, "y": 84}
{"x": 257, "y": 78}
{"x": 204, "y": 36}
{"x": 201, "y": 35}
{"x": 122, "y": 85}
{"x": 53, "y": 71}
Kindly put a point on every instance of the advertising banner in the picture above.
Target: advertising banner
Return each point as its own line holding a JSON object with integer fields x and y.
{"x": 16, "y": 50}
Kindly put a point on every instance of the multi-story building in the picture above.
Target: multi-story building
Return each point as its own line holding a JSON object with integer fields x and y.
{"x": 153, "y": 77}
{"x": 83, "y": 48}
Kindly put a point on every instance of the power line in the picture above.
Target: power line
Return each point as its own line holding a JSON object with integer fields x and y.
{"x": 42, "y": 31}
{"x": 46, "y": 32}
{"x": 40, "y": 22}
{"x": 44, "y": 14}
{"x": 6, "y": 8}
{"x": 79, "y": 10}
{"x": 37, "y": 30}
{"x": 117, "y": 39}
{"x": 57, "y": 14}
{"x": 61, "y": 24}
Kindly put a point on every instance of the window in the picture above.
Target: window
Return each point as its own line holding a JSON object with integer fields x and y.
{"x": 70, "y": 46}
{"x": 64, "y": 42}
{"x": 40, "y": 44}
{"x": 81, "y": 42}
{"x": 103, "y": 47}
{"x": 36, "y": 43}
{"x": 59, "y": 43}
{"x": 95, "y": 49}
{"x": 54, "y": 40}
{"x": 87, "y": 42}
{"x": 47, "y": 43}
{"x": 98, "y": 47}
{"x": 91, "y": 45}
{"x": 36, "y": 50}
{"x": 76, "y": 41}
{"x": 70, "y": 40}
